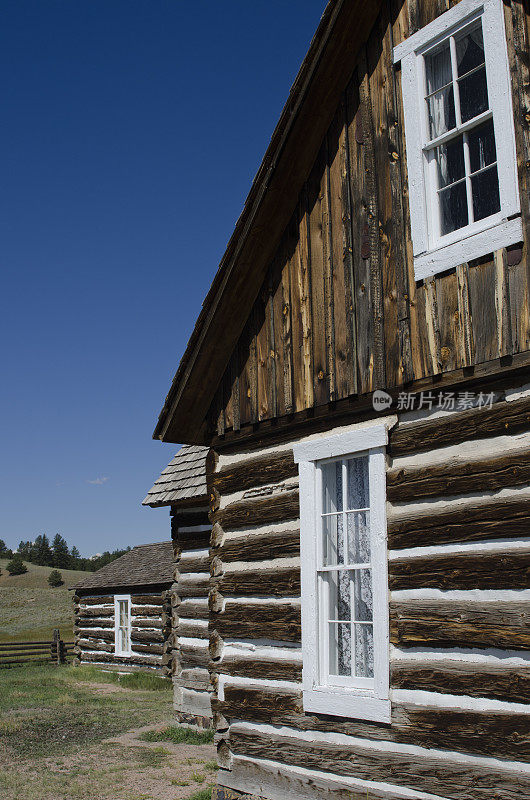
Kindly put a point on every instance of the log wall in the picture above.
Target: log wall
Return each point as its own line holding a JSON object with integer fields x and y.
{"x": 340, "y": 313}
{"x": 459, "y": 569}
{"x": 151, "y": 639}
{"x": 190, "y": 532}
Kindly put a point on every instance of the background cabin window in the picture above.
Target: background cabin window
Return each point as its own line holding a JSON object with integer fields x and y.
{"x": 459, "y": 137}
{"x": 122, "y": 624}
{"x": 344, "y": 574}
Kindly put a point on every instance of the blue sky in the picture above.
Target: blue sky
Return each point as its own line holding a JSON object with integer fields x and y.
{"x": 131, "y": 131}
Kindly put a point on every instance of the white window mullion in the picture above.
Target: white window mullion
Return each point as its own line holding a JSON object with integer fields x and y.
{"x": 349, "y": 694}
{"x": 499, "y": 224}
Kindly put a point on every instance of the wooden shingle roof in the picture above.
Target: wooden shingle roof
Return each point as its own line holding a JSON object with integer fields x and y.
{"x": 182, "y": 480}
{"x": 143, "y": 565}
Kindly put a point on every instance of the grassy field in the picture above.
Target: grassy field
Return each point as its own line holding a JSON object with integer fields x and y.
{"x": 31, "y": 609}
{"x": 71, "y": 733}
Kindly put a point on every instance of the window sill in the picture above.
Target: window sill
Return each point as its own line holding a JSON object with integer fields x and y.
{"x": 476, "y": 245}
{"x": 349, "y": 703}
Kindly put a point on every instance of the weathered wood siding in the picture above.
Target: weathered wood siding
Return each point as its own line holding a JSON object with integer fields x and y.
{"x": 340, "y": 313}
{"x": 190, "y": 532}
{"x": 151, "y": 642}
{"x": 459, "y": 571}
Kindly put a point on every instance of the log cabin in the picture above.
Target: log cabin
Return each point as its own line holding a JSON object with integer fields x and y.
{"x": 182, "y": 488}
{"x": 122, "y": 612}
{"x": 367, "y": 341}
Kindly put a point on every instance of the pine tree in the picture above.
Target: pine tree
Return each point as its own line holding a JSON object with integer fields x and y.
{"x": 43, "y": 552}
{"x": 75, "y": 557}
{"x": 60, "y": 554}
{"x": 55, "y": 578}
{"x": 16, "y": 566}
{"x": 5, "y": 552}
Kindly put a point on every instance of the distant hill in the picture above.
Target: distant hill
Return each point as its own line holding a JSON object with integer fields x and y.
{"x": 30, "y": 609}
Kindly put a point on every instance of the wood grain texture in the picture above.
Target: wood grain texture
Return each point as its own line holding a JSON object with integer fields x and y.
{"x": 501, "y": 419}
{"x": 509, "y": 684}
{"x": 460, "y": 780}
{"x": 254, "y": 472}
{"x": 445, "y": 624}
{"x": 261, "y": 547}
{"x": 490, "y": 518}
{"x": 457, "y": 478}
{"x": 278, "y": 508}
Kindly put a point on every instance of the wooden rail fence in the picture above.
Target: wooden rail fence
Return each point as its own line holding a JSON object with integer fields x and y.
{"x": 53, "y": 651}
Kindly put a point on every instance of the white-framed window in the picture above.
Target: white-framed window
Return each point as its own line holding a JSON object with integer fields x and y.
{"x": 345, "y": 642}
{"x": 460, "y": 141}
{"x": 122, "y": 624}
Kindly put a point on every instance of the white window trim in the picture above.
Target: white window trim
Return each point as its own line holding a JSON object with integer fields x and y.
{"x": 117, "y": 598}
{"x": 492, "y": 233}
{"x": 361, "y": 703}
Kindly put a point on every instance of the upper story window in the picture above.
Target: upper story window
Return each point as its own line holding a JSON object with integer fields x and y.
{"x": 122, "y": 624}
{"x": 460, "y": 141}
{"x": 344, "y": 574}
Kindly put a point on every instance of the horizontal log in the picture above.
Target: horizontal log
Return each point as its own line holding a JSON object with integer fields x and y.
{"x": 488, "y": 519}
{"x": 261, "y": 547}
{"x": 192, "y": 629}
{"x": 46, "y": 651}
{"x": 189, "y": 563}
{"x": 25, "y": 660}
{"x": 260, "y": 511}
{"x": 87, "y": 633}
{"x": 146, "y": 611}
{"x": 462, "y": 571}
{"x": 455, "y": 478}
{"x": 87, "y": 622}
{"x": 138, "y": 635}
{"x": 148, "y": 622}
{"x": 254, "y": 472}
{"x": 107, "y": 658}
{"x": 94, "y": 600}
{"x": 154, "y": 599}
{"x": 24, "y": 646}
{"x": 190, "y": 610}
{"x": 258, "y": 621}
{"x": 502, "y": 419}
{"x": 458, "y": 780}
{"x": 157, "y": 649}
{"x": 91, "y": 644}
{"x": 103, "y": 613}
{"x": 279, "y": 582}
{"x": 447, "y": 624}
{"x": 510, "y": 684}
{"x": 259, "y": 667}
{"x": 189, "y": 586}
{"x": 193, "y": 656}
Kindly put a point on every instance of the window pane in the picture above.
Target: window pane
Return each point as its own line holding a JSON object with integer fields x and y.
{"x": 332, "y": 487}
{"x": 340, "y": 595}
{"x": 482, "y": 146}
{"x": 453, "y": 208}
{"x": 469, "y": 50}
{"x": 364, "y": 651}
{"x": 339, "y": 648}
{"x": 357, "y": 496}
{"x": 438, "y": 68}
{"x": 333, "y": 545}
{"x": 486, "y": 200}
{"x": 473, "y": 94}
{"x": 362, "y": 593}
{"x": 123, "y": 613}
{"x": 358, "y": 537}
{"x": 122, "y": 639}
{"x": 450, "y": 161}
{"x": 441, "y": 108}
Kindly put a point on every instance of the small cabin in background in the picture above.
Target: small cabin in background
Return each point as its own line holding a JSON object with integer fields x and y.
{"x": 182, "y": 488}
{"x": 122, "y": 613}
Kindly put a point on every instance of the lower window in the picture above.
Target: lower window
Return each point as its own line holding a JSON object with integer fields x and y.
{"x": 344, "y": 574}
{"x": 122, "y": 624}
